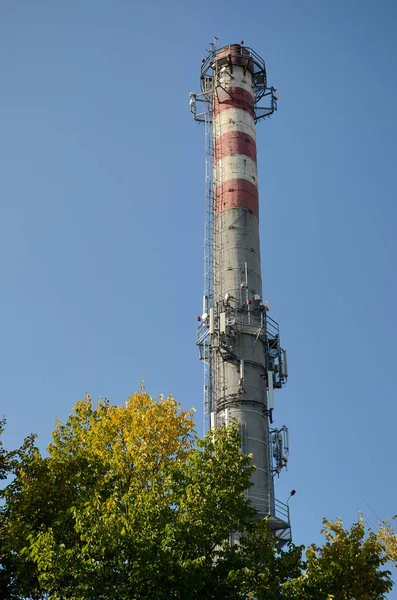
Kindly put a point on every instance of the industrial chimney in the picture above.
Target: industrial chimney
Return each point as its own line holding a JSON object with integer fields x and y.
{"x": 239, "y": 342}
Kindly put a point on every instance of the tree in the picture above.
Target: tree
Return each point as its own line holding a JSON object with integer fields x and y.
{"x": 346, "y": 567}
{"x": 4, "y": 458}
{"x": 128, "y": 503}
{"x": 11, "y": 575}
{"x": 387, "y": 536}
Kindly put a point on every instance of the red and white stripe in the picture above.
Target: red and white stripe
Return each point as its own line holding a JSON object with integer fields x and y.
{"x": 234, "y": 140}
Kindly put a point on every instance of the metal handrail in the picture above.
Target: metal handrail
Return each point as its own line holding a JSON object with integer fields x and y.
{"x": 252, "y": 55}
{"x": 274, "y": 508}
{"x": 202, "y": 332}
{"x": 267, "y": 325}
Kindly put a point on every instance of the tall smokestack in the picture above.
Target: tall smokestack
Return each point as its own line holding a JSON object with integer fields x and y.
{"x": 239, "y": 342}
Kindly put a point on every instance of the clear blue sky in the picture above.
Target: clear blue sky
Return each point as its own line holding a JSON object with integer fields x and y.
{"x": 101, "y": 222}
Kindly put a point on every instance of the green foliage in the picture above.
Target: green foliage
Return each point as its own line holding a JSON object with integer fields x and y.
{"x": 263, "y": 570}
{"x": 4, "y": 459}
{"x": 346, "y": 567}
{"x": 129, "y": 504}
{"x": 15, "y": 571}
{"x": 387, "y": 536}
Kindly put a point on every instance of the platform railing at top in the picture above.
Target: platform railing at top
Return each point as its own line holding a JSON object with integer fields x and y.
{"x": 252, "y": 55}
